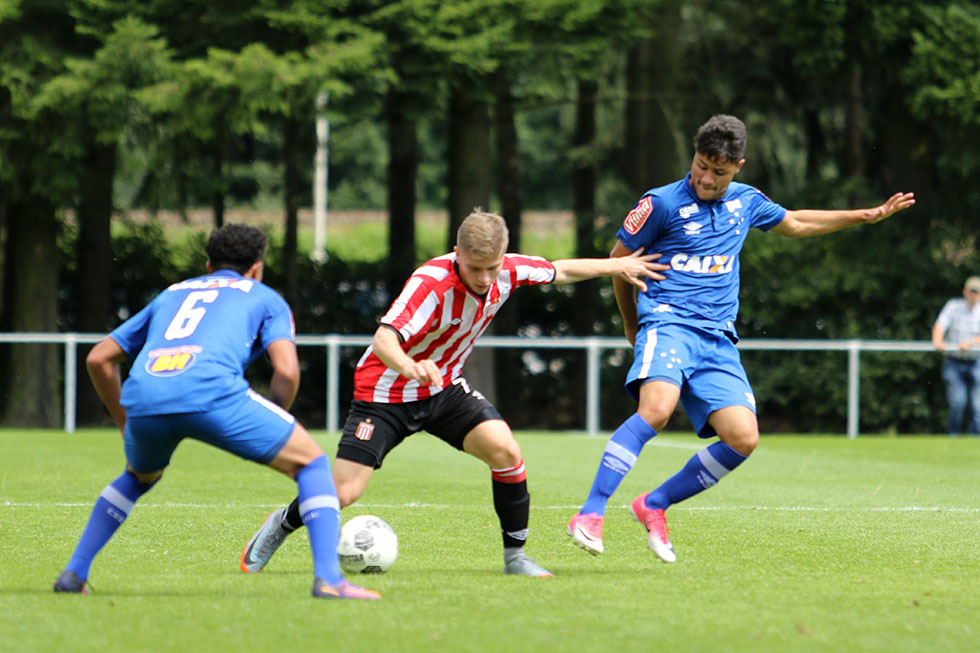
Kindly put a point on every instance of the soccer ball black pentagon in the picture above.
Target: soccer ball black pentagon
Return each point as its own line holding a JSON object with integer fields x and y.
{"x": 368, "y": 545}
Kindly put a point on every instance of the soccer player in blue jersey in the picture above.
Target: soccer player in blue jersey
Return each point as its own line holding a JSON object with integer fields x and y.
{"x": 683, "y": 328}
{"x": 190, "y": 347}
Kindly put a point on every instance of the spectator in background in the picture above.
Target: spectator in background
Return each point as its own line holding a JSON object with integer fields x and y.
{"x": 956, "y": 334}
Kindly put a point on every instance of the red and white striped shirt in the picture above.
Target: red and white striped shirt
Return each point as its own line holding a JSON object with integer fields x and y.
{"x": 438, "y": 318}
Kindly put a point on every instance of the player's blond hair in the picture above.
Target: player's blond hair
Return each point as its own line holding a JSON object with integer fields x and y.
{"x": 482, "y": 234}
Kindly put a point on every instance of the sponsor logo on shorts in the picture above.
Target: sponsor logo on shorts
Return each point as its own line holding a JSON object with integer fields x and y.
{"x": 638, "y": 216}
{"x": 364, "y": 430}
{"x": 171, "y": 361}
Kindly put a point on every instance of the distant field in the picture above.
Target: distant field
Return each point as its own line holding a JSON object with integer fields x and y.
{"x": 363, "y": 235}
{"x": 816, "y": 544}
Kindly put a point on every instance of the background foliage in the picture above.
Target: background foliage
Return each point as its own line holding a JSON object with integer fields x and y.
{"x": 114, "y": 108}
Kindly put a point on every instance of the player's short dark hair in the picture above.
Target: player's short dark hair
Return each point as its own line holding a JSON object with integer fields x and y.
{"x": 722, "y": 137}
{"x": 235, "y": 247}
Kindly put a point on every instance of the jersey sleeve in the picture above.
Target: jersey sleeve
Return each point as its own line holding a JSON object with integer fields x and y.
{"x": 643, "y": 224}
{"x": 530, "y": 270}
{"x": 766, "y": 214}
{"x": 131, "y": 334}
{"x": 414, "y": 307}
{"x": 278, "y": 324}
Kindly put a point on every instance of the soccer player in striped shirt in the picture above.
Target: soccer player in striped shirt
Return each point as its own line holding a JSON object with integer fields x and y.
{"x": 410, "y": 378}
{"x": 683, "y": 330}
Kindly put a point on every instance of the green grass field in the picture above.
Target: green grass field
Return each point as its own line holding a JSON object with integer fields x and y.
{"x": 815, "y": 544}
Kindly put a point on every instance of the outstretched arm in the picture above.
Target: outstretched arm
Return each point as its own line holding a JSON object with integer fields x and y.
{"x": 633, "y": 268}
{"x": 103, "y": 368}
{"x": 814, "y": 222}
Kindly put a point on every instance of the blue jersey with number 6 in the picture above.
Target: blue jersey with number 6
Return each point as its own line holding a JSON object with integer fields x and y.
{"x": 192, "y": 343}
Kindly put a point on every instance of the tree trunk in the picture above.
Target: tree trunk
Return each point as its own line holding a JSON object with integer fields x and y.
{"x": 403, "y": 163}
{"x": 93, "y": 279}
{"x": 853, "y": 121}
{"x": 469, "y": 157}
{"x": 30, "y": 392}
{"x": 507, "y": 362}
{"x": 218, "y": 183}
{"x": 469, "y": 187}
{"x": 651, "y": 142}
{"x": 292, "y": 183}
{"x": 508, "y": 161}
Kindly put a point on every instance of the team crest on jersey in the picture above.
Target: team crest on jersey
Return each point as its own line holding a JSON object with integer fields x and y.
{"x": 733, "y": 205}
{"x": 171, "y": 361}
{"x": 364, "y": 430}
{"x": 638, "y": 216}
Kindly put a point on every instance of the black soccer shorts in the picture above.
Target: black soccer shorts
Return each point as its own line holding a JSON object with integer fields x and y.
{"x": 373, "y": 429}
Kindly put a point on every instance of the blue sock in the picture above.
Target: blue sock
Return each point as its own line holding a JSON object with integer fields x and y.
{"x": 320, "y": 510}
{"x": 110, "y": 511}
{"x": 617, "y": 460}
{"x": 703, "y": 470}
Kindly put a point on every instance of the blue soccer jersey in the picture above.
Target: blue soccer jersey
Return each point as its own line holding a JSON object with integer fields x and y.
{"x": 190, "y": 345}
{"x": 701, "y": 241}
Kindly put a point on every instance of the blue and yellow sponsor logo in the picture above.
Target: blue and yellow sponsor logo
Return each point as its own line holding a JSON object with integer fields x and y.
{"x": 171, "y": 361}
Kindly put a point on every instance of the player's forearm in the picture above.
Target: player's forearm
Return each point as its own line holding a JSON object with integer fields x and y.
{"x": 388, "y": 348}
{"x": 107, "y": 384}
{"x": 283, "y": 389}
{"x": 580, "y": 269}
{"x": 805, "y": 223}
{"x": 626, "y": 302}
{"x": 102, "y": 364}
{"x": 285, "y": 372}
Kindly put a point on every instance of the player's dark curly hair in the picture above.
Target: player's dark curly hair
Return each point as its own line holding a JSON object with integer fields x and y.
{"x": 235, "y": 247}
{"x": 722, "y": 137}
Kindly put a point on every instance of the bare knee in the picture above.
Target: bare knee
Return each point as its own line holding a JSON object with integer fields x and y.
{"x": 505, "y": 455}
{"x": 743, "y": 442}
{"x": 656, "y": 416}
{"x": 347, "y": 494}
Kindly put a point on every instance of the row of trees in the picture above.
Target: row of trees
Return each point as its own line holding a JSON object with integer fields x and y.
{"x": 580, "y": 103}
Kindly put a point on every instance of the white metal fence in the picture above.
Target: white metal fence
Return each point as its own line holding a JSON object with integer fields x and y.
{"x": 593, "y": 347}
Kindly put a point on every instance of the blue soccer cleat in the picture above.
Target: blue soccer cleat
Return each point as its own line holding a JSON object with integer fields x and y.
{"x": 68, "y": 581}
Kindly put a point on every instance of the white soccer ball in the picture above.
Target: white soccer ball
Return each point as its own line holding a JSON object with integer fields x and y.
{"x": 368, "y": 545}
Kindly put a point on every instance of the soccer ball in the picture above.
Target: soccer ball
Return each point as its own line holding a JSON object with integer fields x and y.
{"x": 367, "y": 545}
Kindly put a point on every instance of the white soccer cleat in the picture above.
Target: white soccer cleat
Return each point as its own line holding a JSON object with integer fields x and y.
{"x": 265, "y": 542}
{"x": 585, "y": 530}
{"x": 655, "y": 522}
{"x": 519, "y": 564}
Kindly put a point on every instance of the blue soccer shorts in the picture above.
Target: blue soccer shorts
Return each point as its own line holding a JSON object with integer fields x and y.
{"x": 703, "y": 363}
{"x": 250, "y": 426}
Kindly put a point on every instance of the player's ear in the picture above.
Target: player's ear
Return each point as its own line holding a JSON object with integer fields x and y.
{"x": 255, "y": 272}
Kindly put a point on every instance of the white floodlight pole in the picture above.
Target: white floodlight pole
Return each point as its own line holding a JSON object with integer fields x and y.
{"x": 319, "y": 252}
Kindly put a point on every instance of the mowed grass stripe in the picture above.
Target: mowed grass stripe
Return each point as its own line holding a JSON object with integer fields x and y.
{"x": 815, "y": 544}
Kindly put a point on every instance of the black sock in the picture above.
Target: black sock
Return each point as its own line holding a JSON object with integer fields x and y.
{"x": 293, "y": 519}
{"x": 513, "y": 504}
